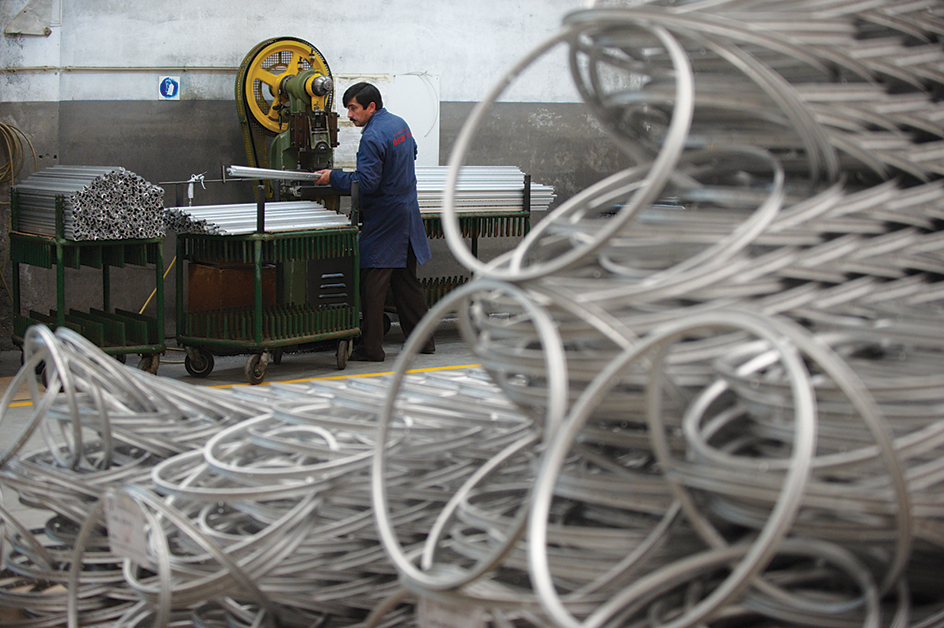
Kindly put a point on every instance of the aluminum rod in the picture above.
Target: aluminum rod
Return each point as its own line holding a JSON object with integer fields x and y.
{"x": 248, "y": 172}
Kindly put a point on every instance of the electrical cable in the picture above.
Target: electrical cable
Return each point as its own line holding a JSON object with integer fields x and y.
{"x": 13, "y": 139}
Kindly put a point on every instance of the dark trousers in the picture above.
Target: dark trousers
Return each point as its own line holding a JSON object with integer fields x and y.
{"x": 409, "y": 299}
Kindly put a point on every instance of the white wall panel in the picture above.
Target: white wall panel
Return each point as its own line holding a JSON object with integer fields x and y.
{"x": 468, "y": 45}
{"x": 415, "y": 98}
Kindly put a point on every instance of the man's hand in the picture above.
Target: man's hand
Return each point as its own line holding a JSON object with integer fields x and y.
{"x": 324, "y": 177}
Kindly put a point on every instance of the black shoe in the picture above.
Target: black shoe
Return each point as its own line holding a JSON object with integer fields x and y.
{"x": 359, "y": 355}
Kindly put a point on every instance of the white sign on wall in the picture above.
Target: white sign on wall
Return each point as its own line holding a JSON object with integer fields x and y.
{"x": 413, "y": 97}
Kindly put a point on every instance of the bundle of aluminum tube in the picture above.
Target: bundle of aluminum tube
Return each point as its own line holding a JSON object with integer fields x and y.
{"x": 481, "y": 189}
{"x": 244, "y": 503}
{"x": 241, "y": 218}
{"x": 97, "y": 203}
{"x": 103, "y": 426}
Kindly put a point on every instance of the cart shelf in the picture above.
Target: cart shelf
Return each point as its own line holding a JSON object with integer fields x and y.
{"x": 116, "y": 331}
{"x": 282, "y": 325}
{"x": 472, "y": 225}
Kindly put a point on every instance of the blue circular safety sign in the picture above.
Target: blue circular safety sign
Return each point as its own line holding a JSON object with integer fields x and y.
{"x": 170, "y": 87}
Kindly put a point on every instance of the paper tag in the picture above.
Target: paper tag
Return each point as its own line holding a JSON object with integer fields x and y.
{"x": 445, "y": 614}
{"x": 126, "y": 527}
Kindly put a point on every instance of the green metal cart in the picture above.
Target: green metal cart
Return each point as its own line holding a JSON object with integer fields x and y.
{"x": 325, "y": 310}
{"x": 474, "y": 226}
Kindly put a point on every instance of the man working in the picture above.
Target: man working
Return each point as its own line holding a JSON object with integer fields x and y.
{"x": 392, "y": 238}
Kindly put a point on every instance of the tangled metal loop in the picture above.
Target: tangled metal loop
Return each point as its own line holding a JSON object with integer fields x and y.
{"x": 750, "y": 314}
{"x": 710, "y": 390}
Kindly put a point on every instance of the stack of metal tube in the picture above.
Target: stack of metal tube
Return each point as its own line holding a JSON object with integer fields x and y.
{"x": 96, "y": 202}
{"x": 478, "y": 188}
{"x": 242, "y": 218}
{"x": 481, "y": 189}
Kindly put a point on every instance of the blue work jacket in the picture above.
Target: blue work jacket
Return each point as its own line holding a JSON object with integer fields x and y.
{"x": 386, "y": 180}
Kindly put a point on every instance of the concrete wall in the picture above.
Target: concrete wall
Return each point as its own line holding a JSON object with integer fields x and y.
{"x": 469, "y": 45}
{"x": 74, "y": 114}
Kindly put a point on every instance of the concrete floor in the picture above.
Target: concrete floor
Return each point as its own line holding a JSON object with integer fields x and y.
{"x": 307, "y": 364}
{"x": 229, "y": 370}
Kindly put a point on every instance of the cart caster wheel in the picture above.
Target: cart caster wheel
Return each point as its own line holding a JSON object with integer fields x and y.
{"x": 344, "y": 352}
{"x": 277, "y": 355}
{"x": 387, "y": 323}
{"x": 256, "y": 367}
{"x": 199, "y": 363}
{"x": 121, "y": 357}
{"x": 150, "y": 363}
{"x": 39, "y": 371}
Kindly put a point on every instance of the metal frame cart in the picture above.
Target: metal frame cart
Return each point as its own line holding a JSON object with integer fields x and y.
{"x": 266, "y": 326}
{"x": 476, "y": 225}
{"x": 116, "y": 331}
{"x": 473, "y": 226}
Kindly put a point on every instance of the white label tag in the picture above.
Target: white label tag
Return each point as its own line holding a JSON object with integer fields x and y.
{"x": 444, "y": 614}
{"x": 126, "y": 527}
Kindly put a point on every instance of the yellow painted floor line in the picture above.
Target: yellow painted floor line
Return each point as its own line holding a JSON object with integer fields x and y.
{"x": 336, "y": 377}
{"x": 23, "y": 404}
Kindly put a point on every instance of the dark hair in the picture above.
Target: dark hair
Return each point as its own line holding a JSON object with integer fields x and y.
{"x": 364, "y": 94}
